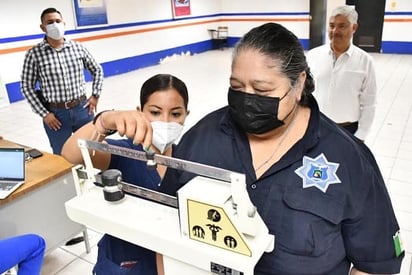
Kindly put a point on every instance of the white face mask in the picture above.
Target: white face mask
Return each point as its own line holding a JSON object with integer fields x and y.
{"x": 165, "y": 134}
{"x": 55, "y": 31}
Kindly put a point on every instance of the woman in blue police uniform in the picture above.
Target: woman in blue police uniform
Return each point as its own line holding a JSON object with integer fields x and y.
{"x": 318, "y": 188}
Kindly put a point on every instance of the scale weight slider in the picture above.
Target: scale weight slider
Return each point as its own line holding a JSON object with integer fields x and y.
{"x": 112, "y": 187}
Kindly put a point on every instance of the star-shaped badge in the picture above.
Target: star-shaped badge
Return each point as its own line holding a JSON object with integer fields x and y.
{"x": 318, "y": 172}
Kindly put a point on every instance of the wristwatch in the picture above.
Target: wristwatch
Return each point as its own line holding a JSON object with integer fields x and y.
{"x": 96, "y": 96}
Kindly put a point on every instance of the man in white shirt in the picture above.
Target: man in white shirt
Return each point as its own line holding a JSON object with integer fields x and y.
{"x": 345, "y": 82}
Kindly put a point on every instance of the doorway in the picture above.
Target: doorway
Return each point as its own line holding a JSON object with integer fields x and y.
{"x": 317, "y": 25}
{"x": 371, "y": 15}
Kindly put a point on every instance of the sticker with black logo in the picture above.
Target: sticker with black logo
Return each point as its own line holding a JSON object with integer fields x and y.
{"x": 223, "y": 270}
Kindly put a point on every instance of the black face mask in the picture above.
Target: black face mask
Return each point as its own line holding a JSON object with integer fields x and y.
{"x": 255, "y": 114}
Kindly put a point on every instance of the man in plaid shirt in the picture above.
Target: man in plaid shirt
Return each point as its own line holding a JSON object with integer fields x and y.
{"x": 53, "y": 81}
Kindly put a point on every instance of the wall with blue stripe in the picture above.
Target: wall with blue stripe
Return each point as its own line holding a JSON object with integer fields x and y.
{"x": 122, "y": 47}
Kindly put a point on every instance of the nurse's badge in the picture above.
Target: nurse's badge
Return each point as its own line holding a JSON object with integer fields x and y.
{"x": 318, "y": 172}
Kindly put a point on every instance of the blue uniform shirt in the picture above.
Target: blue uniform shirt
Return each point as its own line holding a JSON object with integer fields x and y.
{"x": 114, "y": 251}
{"x": 133, "y": 171}
{"x": 325, "y": 200}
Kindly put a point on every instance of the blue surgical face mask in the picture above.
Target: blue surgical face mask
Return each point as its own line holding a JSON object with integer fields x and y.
{"x": 255, "y": 114}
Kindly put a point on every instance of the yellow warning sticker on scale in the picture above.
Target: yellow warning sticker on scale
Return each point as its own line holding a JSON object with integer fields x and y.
{"x": 211, "y": 225}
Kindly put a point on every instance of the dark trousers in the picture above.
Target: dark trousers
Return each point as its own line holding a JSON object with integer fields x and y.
{"x": 119, "y": 257}
{"x": 352, "y": 127}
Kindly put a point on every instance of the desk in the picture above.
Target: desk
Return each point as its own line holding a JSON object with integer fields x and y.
{"x": 38, "y": 205}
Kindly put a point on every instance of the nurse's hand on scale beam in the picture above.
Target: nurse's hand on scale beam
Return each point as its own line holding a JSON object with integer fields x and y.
{"x": 131, "y": 124}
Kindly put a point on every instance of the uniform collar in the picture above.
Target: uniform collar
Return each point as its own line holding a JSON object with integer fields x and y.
{"x": 226, "y": 123}
{"x": 308, "y": 141}
{"x": 312, "y": 134}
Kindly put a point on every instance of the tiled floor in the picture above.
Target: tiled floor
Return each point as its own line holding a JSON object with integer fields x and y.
{"x": 207, "y": 78}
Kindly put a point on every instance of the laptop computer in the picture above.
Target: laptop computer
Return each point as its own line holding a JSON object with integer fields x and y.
{"x": 12, "y": 170}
